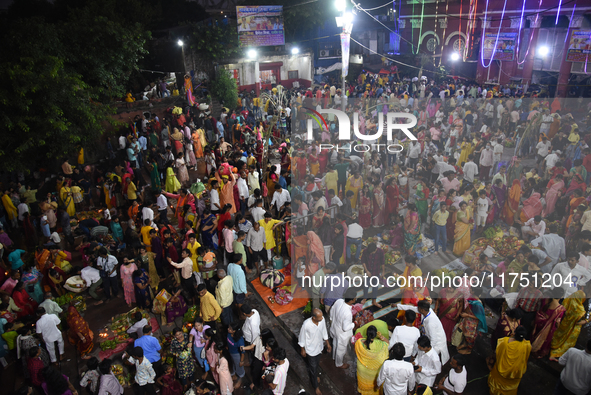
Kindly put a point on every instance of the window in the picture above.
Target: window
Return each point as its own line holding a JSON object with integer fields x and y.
{"x": 292, "y": 75}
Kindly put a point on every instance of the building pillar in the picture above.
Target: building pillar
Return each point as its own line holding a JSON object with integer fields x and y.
{"x": 528, "y": 65}
{"x": 565, "y": 67}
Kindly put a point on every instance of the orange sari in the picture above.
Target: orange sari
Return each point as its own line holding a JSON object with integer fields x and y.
{"x": 77, "y": 325}
{"x": 512, "y": 203}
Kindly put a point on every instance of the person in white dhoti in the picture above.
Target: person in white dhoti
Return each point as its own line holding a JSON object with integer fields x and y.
{"x": 430, "y": 326}
{"x": 341, "y": 329}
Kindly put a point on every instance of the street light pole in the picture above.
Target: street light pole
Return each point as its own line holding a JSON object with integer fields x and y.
{"x": 346, "y": 22}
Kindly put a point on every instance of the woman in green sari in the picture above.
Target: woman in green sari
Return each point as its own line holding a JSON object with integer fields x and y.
{"x": 154, "y": 175}
{"x": 422, "y": 200}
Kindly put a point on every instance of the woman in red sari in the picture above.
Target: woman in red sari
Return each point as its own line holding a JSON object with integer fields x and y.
{"x": 223, "y": 216}
{"x": 512, "y": 203}
{"x": 392, "y": 197}
{"x": 449, "y": 306}
{"x": 547, "y": 321}
{"x": 301, "y": 167}
{"x": 365, "y": 201}
{"x": 79, "y": 333}
{"x": 23, "y": 301}
{"x": 576, "y": 183}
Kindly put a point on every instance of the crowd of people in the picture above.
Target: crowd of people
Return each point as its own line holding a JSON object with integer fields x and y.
{"x": 141, "y": 222}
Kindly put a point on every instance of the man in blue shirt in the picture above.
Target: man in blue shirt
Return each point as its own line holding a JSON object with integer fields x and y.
{"x": 15, "y": 259}
{"x": 151, "y": 347}
{"x": 236, "y": 271}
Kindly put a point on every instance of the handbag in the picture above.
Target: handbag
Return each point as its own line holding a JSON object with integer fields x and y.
{"x": 457, "y": 336}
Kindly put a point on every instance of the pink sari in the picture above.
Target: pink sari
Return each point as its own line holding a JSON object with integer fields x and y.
{"x": 532, "y": 206}
{"x": 552, "y": 196}
{"x": 546, "y": 323}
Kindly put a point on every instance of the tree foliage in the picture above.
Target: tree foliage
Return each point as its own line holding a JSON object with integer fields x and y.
{"x": 225, "y": 89}
{"x": 61, "y": 72}
{"x": 214, "y": 41}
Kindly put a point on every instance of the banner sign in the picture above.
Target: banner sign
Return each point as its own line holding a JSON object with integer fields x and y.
{"x": 505, "y": 46}
{"x": 579, "y": 46}
{"x": 260, "y": 25}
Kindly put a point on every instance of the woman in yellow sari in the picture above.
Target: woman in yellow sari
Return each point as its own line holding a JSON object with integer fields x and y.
{"x": 511, "y": 363}
{"x": 512, "y": 203}
{"x": 462, "y": 231}
{"x": 354, "y": 183}
{"x": 466, "y": 150}
{"x": 68, "y": 199}
{"x": 568, "y": 331}
{"x": 371, "y": 354}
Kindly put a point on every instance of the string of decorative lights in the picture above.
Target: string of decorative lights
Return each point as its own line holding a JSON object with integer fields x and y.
{"x": 496, "y": 39}
{"x": 380, "y": 22}
{"x": 460, "y": 28}
{"x": 444, "y": 30}
{"x": 558, "y": 12}
{"x": 531, "y": 36}
{"x": 436, "y": 13}
{"x": 377, "y": 8}
{"x": 494, "y": 19}
{"x": 420, "y": 28}
{"x": 470, "y": 34}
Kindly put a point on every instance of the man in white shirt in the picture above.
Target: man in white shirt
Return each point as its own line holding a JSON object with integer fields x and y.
{"x": 258, "y": 212}
{"x": 456, "y": 380}
{"x": 407, "y": 335}
{"x": 551, "y": 160}
{"x": 47, "y": 327}
{"x": 162, "y": 205}
{"x": 280, "y": 375}
{"x": 571, "y": 274}
{"x": 255, "y": 245}
{"x": 396, "y": 375}
{"x": 280, "y": 197}
{"x": 92, "y": 280}
{"x": 313, "y": 336}
{"x": 138, "y": 327}
{"x": 575, "y": 377}
{"x": 498, "y": 149}
{"x": 543, "y": 148}
{"x": 427, "y": 363}
{"x": 214, "y": 198}
{"x": 470, "y": 169}
{"x": 242, "y": 192}
{"x": 148, "y": 213}
{"x": 534, "y": 227}
{"x": 50, "y": 306}
{"x": 252, "y": 324}
{"x": 354, "y": 236}
{"x": 433, "y": 328}
{"x": 107, "y": 265}
{"x": 341, "y": 328}
{"x": 553, "y": 245}
{"x": 414, "y": 150}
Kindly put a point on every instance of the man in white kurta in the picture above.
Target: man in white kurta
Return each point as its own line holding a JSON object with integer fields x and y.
{"x": 432, "y": 328}
{"x": 428, "y": 363}
{"x": 341, "y": 329}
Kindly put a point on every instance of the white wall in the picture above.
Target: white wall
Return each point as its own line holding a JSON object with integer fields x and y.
{"x": 249, "y": 70}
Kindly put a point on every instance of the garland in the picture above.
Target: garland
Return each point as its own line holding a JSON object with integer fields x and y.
{"x": 420, "y": 28}
{"x": 531, "y": 36}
